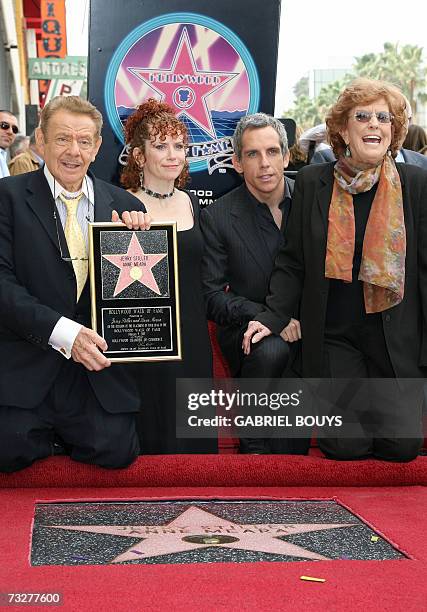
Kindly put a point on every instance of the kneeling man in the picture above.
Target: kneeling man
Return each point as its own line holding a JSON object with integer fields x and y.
{"x": 243, "y": 232}
{"x": 54, "y": 379}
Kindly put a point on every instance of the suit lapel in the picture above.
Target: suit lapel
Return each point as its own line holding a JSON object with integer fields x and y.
{"x": 245, "y": 226}
{"x": 40, "y": 200}
{"x": 324, "y": 193}
{"x": 407, "y": 209}
{"x": 104, "y": 203}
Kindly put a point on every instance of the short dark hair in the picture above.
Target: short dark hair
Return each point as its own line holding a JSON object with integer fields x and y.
{"x": 416, "y": 138}
{"x": 254, "y": 122}
{"x": 8, "y": 112}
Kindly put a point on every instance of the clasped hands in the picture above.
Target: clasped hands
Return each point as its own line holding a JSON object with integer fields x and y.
{"x": 257, "y": 331}
{"x": 89, "y": 346}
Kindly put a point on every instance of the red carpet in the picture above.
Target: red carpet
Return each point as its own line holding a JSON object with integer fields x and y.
{"x": 389, "y": 497}
{"x": 222, "y": 470}
{"x": 398, "y": 513}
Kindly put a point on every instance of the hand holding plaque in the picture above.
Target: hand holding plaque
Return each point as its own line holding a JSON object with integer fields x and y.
{"x": 134, "y": 291}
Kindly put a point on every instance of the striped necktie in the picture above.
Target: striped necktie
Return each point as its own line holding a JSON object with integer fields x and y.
{"x": 75, "y": 242}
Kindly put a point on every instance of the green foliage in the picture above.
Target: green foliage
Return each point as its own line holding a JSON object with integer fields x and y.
{"x": 301, "y": 87}
{"x": 401, "y": 65}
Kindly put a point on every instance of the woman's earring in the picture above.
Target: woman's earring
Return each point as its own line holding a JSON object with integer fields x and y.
{"x": 347, "y": 151}
{"x": 141, "y": 178}
{"x": 389, "y": 152}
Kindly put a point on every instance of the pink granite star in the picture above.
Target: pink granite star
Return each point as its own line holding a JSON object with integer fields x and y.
{"x": 135, "y": 266}
{"x": 158, "y": 540}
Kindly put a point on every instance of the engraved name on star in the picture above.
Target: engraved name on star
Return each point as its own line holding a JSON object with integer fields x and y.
{"x": 135, "y": 266}
{"x": 197, "y": 524}
{"x": 184, "y": 86}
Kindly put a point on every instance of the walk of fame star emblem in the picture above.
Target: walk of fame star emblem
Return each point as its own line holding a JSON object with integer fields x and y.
{"x": 180, "y": 535}
{"x": 135, "y": 265}
{"x": 185, "y": 532}
{"x": 185, "y": 87}
{"x": 196, "y": 65}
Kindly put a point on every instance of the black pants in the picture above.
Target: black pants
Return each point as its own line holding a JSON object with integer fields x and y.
{"x": 267, "y": 359}
{"x": 388, "y": 428}
{"x": 72, "y": 411}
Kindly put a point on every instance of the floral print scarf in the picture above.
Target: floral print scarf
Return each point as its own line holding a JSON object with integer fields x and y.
{"x": 382, "y": 269}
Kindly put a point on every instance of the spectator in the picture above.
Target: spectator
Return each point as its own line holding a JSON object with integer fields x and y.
{"x": 297, "y": 155}
{"x": 416, "y": 138}
{"x": 19, "y": 146}
{"x": 8, "y": 131}
{"x": 29, "y": 161}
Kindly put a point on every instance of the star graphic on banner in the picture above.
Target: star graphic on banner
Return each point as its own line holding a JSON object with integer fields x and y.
{"x": 135, "y": 266}
{"x": 196, "y": 528}
{"x": 184, "y": 86}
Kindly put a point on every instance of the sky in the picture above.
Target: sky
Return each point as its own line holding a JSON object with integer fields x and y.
{"x": 330, "y": 33}
{"x": 313, "y": 34}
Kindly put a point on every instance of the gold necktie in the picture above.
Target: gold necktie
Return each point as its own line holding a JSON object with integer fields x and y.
{"x": 75, "y": 242}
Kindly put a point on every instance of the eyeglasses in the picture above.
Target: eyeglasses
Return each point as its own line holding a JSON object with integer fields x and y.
{"x": 382, "y": 116}
{"x": 4, "y": 125}
{"x": 84, "y": 144}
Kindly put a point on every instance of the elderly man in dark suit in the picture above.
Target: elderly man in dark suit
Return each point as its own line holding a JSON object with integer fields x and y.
{"x": 55, "y": 380}
{"x": 243, "y": 232}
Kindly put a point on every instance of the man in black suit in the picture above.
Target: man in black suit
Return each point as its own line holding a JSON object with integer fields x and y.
{"x": 243, "y": 232}
{"x": 55, "y": 380}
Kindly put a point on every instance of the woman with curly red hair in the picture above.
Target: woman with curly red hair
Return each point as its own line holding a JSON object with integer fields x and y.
{"x": 156, "y": 172}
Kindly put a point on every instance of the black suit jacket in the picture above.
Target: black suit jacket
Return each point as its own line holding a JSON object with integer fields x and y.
{"x": 322, "y": 156}
{"x": 234, "y": 258}
{"x": 299, "y": 288}
{"x": 414, "y": 158}
{"x": 37, "y": 287}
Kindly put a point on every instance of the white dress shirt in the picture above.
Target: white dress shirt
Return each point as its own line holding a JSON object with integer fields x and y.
{"x": 4, "y": 169}
{"x": 65, "y": 331}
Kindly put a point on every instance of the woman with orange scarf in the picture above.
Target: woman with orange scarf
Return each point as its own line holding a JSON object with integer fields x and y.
{"x": 351, "y": 281}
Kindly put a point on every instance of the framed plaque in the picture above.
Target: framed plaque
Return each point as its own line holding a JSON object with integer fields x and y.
{"x": 134, "y": 291}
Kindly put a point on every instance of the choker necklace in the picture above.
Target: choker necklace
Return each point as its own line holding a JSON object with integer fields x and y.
{"x": 155, "y": 194}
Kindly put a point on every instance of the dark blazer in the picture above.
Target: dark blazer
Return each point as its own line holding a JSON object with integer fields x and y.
{"x": 37, "y": 287}
{"x": 322, "y": 156}
{"x": 235, "y": 258}
{"x": 414, "y": 158}
{"x": 299, "y": 288}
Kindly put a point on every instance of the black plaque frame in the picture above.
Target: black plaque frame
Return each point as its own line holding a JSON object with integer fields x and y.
{"x": 127, "y": 321}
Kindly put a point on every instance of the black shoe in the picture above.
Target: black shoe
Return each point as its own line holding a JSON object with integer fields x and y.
{"x": 254, "y": 446}
{"x": 58, "y": 447}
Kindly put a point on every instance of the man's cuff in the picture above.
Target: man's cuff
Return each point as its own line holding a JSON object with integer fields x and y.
{"x": 272, "y": 322}
{"x": 251, "y": 310}
{"x": 63, "y": 335}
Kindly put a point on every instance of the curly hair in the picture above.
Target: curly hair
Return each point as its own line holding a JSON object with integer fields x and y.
{"x": 151, "y": 119}
{"x": 365, "y": 91}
